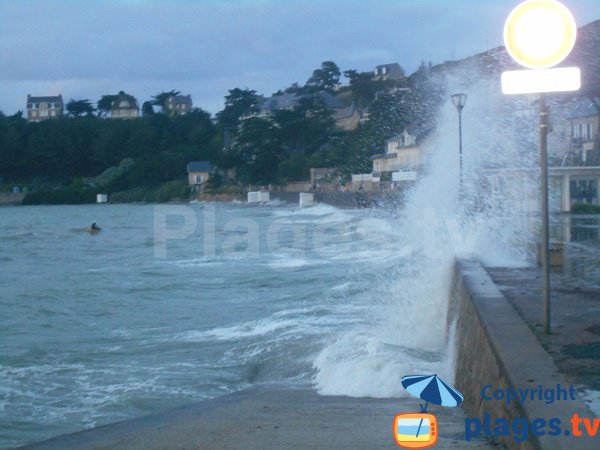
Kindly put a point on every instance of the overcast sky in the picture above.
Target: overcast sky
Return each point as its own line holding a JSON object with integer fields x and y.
{"x": 86, "y": 48}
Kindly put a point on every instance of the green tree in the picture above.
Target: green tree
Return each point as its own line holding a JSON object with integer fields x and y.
{"x": 104, "y": 104}
{"x": 238, "y": 103}
{"x": 78, "y": 108}
{"x": 327, "y": 77}
{"x": 147, "y": 109}
{"x": 363, "y": 87}
{"x": 161, "y": 98}
{"x": 259, "y": 149}
{"x": 307, "y": 126}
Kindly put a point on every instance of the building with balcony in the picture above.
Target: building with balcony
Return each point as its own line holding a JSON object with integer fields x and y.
{"x": 583, "y": 125}
{"x": 403, "y": 157}
{"x": 124, "y": 106}
{"x": 43, "y": 108}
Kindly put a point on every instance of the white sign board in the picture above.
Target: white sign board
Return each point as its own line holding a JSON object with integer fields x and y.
{"x": 562, "y": 79}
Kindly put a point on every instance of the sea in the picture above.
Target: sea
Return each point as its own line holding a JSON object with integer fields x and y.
{"x": 170, "y": 304}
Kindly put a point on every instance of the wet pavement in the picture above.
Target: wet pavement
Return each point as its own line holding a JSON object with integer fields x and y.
{"x": 574, "y": 343}
{"x": 263, "y": 419}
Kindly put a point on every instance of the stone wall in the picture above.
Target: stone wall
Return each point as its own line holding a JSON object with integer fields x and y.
{"x": 496, "y": 347}
{"x": 10, "y": 198}
{"x": 225, "y": 197}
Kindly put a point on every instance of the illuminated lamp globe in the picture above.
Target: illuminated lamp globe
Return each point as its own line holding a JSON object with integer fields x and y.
{"x": 539, "y": 34}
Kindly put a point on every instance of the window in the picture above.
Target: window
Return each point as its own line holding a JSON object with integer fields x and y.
{"x": 199, "y": 179}
{"x": 588, "y": 132}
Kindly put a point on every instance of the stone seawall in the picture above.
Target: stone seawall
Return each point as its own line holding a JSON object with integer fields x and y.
{"x": 10, "y": 198}
{"x": 496, "y": 347}
{"x": 224, "y": 197}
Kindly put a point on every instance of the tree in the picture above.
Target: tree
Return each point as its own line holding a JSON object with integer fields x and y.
{"x": 307, "y": 126}
{"x": 325, "y": 78}
{"x": 239, "y": 102}
{"x": 78, "y": 108}
{"x": 104, "y": 104}
{"x": 363, "y": 87}
{"x": 147, "y": 109}
{"x": 161, "y": 98}
{"x": 260, "y": 151}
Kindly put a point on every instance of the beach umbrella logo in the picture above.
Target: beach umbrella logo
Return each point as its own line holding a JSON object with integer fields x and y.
{"x": 420, "y": 430}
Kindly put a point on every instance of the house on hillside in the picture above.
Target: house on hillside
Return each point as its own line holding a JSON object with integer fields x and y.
{"x": 583, "y": 123}
{"x": 43, "y": 108}
{"x": 198, "y": 173}
{"x": 179, "y": 105}
{"x": 124, "y": 107}
{"x": 403, "y": 157}
{"x": 346, "y": 117}
{"x": 391, "y": 71}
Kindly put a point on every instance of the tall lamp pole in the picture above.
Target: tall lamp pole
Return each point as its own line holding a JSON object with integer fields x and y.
{"x": 539, "y": 35}
{"x": 459, "y": 101}
{"x": 545, "y": 244}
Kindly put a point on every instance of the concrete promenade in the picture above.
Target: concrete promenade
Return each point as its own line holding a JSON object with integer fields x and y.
{"x": 574, "y": 343}
{"x": 261, "y": 419}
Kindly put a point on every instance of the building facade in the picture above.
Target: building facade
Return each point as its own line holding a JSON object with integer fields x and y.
{"x": 391, "y": 71}
{"x": 198, "y": 173}
{"x": 403, "y": 156}
{"x": 43, "y": 108}
{"x": 179, "y": 105}
{"x": 124, "y": 107}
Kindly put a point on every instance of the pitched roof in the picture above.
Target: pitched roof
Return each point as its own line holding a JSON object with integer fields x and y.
{"x": 116, "y": 103}
{"x": 46, "y": 99}
{"x": 281, "y": 101}
{"x": 198, "y": 166}
{"x": 393, "y": 70}
{"x": 419, "y": 133}
{"x": 331, "y": 100}
{"x": 180, "y": 99}
{"x": 346, "y": 112}
{"x": 284, "y": 101}
{"x": 388, "y": 66}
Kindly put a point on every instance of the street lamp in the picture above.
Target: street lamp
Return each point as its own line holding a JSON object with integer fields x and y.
{"x": 539, "y": 34}
{"x": 459, "y": 101}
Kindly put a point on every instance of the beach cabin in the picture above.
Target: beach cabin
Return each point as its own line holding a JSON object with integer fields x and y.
{"x": 198, "y": 172}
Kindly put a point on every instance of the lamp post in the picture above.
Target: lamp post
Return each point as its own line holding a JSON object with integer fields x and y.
{"x": 539, "y": 34}
{"x": 459, "y": 101}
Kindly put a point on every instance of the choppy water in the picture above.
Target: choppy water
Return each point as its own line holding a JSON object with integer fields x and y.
{"x": 97, "y": 328}
{"x": 142, "y": 317}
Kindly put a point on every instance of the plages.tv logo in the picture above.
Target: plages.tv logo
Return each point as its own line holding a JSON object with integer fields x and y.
{"x": 420, "y": 429}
